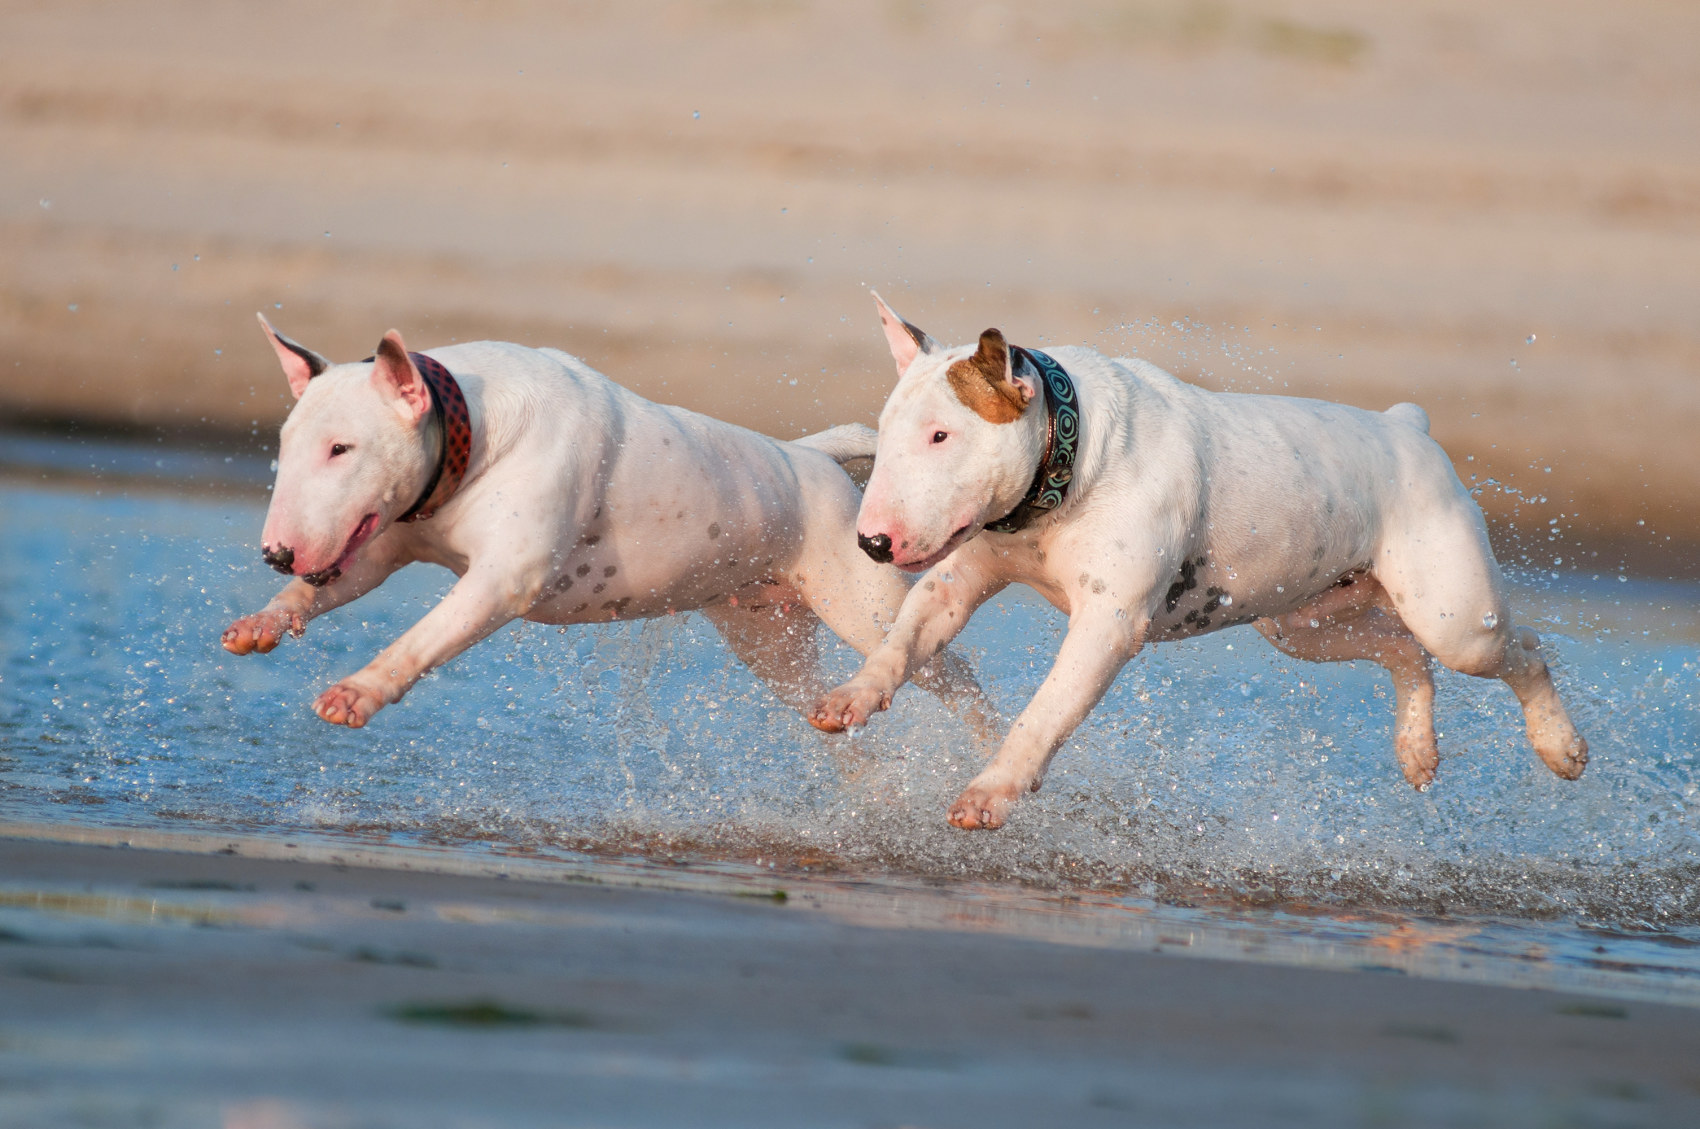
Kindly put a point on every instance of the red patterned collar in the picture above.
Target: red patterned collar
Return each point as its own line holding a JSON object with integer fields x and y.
{"x": 448, "y": 404}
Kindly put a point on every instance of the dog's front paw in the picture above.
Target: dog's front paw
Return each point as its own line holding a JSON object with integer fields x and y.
{"x": 261, "y": 631}
{"x": 347, "y": 704}
{"x": 983, "y": 805}
{"x": 847, "y": 707}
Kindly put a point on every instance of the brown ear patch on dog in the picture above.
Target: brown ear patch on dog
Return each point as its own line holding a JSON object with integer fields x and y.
{"x": 982, "y": 381}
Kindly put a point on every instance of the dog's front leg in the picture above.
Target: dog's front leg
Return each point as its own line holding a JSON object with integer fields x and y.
{"x": 1097, "y": 646}
{"x": 475, "y": 607}
{"x": 299, "y": 603}
{"x": 932, "y": 613}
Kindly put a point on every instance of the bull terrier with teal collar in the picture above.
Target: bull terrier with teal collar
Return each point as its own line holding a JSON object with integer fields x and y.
{"x": 557, "y": 496}
{"x": 1147, "y": 509}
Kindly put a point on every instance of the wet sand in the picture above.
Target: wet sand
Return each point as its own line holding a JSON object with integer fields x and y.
{"x": 1364, "y": 202}
{"x": 207, "y": 986}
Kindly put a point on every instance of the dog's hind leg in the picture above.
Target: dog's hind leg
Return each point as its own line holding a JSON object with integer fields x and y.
{"x": 1355, "y": 620}
{"x": 775, "y": 638}
{"x": 1442, "y": 578}
{"x": 950, "y": 679}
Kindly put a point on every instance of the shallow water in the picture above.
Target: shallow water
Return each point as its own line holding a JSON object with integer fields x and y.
{"x": 1216, "y": 770}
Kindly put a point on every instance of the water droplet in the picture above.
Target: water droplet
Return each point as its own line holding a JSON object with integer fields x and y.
{"x": 696, "y": 114}
{"x": 1314, "y": 623}
{"x": 1490, "y": 621}
{"x": 46, "y": 203}
{"x": 1227, "y": 600}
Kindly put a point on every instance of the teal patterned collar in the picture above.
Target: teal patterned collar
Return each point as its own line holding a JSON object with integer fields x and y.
{"x": 1062, "y": 440}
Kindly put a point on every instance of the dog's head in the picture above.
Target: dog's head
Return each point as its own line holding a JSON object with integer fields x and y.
{"x": 959, "y": 442}
{"x": 351, "y": 457}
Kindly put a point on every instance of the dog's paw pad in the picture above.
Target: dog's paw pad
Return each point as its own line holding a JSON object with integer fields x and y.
{"x": 261, "y": 632}
{"x": 348, "y": 705}
{"x": 1570, "y": 763}
{"x": 846, "y": 708}
{"x": 982, "y": 807}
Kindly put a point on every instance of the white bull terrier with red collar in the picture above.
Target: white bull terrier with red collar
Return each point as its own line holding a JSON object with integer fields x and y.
{"x": 1147, "y": 509}
{"x": 559, "y": 497}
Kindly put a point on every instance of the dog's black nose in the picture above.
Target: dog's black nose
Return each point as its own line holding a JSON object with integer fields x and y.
{"x": 281, "y": 558}
{"x": 878, "y": 547}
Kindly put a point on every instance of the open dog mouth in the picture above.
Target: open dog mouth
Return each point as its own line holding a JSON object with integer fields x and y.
{"x": 362, "y": 534}
{"x": 945, "y": 550}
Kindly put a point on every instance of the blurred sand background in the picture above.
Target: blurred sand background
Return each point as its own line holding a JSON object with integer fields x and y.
{"x": 1491, "y": 209}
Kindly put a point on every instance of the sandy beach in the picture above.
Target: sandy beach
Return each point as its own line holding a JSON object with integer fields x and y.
{"x": 214, "y": 985}
{"x": 1492, "y": 210}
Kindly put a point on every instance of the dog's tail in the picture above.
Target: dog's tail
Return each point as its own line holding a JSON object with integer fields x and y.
{"x": 1410, "y": 414}
{"x": 843, "y": 444}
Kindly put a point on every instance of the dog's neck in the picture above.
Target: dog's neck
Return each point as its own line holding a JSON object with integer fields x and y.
{"x": 451, "y": 423}
{"x": 1062, "y": 443}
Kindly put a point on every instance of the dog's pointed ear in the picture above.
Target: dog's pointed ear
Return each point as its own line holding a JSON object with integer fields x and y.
{"x": 988, "y": 384}
{"x": 906, "y": 341}
{"x": 397, "y": 379}
{"x": 300, "y": 364}
{"x": 1021, "y": 375}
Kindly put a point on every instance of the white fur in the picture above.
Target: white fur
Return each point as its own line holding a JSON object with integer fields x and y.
{"x": 1341, "y": 533}
{"x": 583, "y": 503}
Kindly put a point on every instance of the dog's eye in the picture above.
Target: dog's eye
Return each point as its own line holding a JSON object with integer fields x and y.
{"x": 338, "y": 449}
{"x": 940, "y": 436}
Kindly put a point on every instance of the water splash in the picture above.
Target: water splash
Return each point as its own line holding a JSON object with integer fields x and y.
{"x": 1214, "y": 767}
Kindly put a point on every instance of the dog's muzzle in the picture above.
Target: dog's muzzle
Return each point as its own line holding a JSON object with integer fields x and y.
{"x": 281, "y": 558}
{"x": 878, "y": 547}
